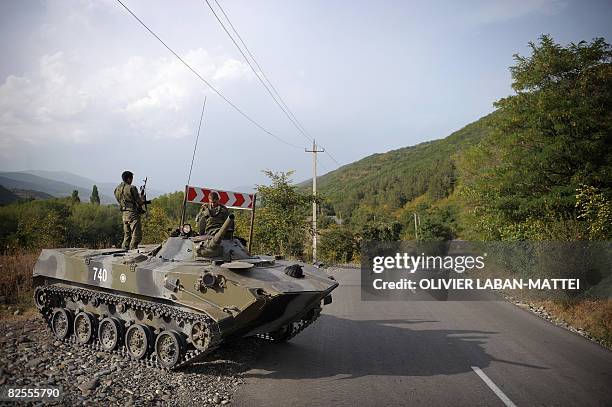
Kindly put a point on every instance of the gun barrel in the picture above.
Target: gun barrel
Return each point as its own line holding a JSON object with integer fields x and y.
{"x": 226, "y": 225}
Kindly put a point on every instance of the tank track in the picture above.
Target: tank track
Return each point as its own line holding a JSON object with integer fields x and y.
{"x": 55, "y": 296}
{"x": 294, "y": 327}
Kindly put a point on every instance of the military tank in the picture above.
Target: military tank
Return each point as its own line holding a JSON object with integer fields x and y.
{"x": 171, "y": 304}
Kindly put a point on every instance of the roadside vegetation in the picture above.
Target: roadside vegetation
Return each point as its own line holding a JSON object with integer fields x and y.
{"x": 538, "y": 168}
{"x": 16, "y": 282}
{"x": 591, "y": 315}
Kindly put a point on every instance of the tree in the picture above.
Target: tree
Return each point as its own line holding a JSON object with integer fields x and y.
{"x": 281, "y": 226}
{"x": 172, "y": 205}
{"x": 437, "y": 224}
{"x": 75, "y": 197}
{"x": 551, "y": 137}
{"x": 337, "y": 244}
{"x": 596, "y": 209}
{"x": 27, "y": 225}
{"x": 156, "y": 225}
{"x": 51, "y": 230}
{"x": 380, "y": 231}
{"x": 95, "y": 226}
{"x": 94, "y": 198}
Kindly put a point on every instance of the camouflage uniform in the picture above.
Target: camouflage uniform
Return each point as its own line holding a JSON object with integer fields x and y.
{"x": 130, "y": 204}
{"x": 211, "y": 219}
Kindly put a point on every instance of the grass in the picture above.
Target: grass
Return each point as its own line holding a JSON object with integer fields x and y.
{"x": 16, "y": 282}
{"x": 592, "y": 315}
{"x": 591, "y": 312}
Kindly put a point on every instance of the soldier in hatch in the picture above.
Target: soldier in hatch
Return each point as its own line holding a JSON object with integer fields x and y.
{"x": 211, "y": 215}
{"x": 130, "y": 203}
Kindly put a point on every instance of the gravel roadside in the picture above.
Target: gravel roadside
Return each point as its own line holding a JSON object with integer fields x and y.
{"x": 31, "y": 356}
{"x": 550, "y": 316}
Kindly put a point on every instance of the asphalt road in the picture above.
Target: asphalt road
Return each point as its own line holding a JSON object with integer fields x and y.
{"x": 428, "y": 353}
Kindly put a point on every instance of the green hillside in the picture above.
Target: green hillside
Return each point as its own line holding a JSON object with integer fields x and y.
{"x": 539, "y": 167}
{"x": 25, "y": 181}
{"x": 7, "y": 196}
{"x": 388, "y": 181}
{"x": 31, "y": 194}
{"x": 60, "y": 184}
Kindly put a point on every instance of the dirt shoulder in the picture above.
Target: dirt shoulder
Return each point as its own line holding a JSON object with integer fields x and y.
{"x": 30, "y": 356}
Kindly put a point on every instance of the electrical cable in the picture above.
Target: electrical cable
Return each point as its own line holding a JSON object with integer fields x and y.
{"x": 289, "y": 116}
{"x": 280, "y": 102}
{"x": 246, "y": 116}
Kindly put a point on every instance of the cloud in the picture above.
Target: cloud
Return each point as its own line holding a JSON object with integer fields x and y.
{"x": 63, "y": 100}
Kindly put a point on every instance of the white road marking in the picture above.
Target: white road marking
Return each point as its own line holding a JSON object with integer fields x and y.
{"x": 493, "y": 387}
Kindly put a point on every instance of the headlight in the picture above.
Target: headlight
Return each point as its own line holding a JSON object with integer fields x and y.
{"x": 186, "y": 229}
{"x": 209, "y": 280}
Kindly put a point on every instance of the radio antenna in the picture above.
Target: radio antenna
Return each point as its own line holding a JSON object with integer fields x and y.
{"x": 195, "y": 147}
{"x": 196, "y": 141}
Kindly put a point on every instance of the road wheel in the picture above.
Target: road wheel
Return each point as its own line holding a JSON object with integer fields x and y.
{"x": 84, "y": 327}
{"x": 109, "y": 334}
{"x": 200, "y": 335}
{"x": 138, "y": 339}
{"x": 40, "y": 298}
{"x": 61, "y": 323}
{"x": 169, "y": 349}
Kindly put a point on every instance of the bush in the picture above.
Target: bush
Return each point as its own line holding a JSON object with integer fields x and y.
{"x": 16, "y": 277}
{"x": 32, "y": 225}
{"x": 156, "y": 224}
{"x": 281, "y": 225}
{"x": 94, "y": 225}
{"x": 337, "y": 244}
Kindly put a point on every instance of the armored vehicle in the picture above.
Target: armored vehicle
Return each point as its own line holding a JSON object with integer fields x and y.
{"x": 169, "y": 305}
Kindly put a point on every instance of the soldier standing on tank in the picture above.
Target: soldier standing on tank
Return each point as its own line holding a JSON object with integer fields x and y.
{"x": 130, "y": 203}
{"x": 211, "y": 215}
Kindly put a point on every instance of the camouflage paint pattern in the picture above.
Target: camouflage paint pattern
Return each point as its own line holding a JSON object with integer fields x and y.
{"x": 257, "y": 299}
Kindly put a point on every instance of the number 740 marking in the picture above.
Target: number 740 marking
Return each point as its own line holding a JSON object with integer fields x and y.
{"x": 100, "y": 274}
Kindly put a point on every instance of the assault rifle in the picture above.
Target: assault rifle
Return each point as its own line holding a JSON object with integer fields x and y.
{"x": 143, "y": 194}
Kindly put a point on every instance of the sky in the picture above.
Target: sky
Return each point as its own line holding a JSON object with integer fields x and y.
{"x": 85, "y": 88}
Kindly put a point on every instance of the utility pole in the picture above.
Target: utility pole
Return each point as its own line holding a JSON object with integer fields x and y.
{"x": 314, "y": 152}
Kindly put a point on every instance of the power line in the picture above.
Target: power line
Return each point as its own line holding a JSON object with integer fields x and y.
{"x": 246, "y": 116}
{"x": 280, "y": 102}
{"x": 331, "y": 156}
{"x": 292, "y": 120}
{"x": 299, "y": 125}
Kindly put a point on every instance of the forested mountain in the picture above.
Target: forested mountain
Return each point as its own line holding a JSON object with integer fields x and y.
{"x": 28, "y": 194}
{"x": 539, "y": 167}
{"x": 7, "y": 196}
{"x": 62, "y": 183}
{"x": 106, "y": 189}
{"x": 387, "y": 181}
{"x": 26, "y": 181}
